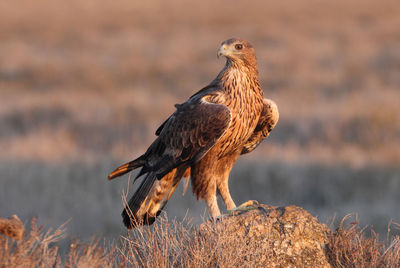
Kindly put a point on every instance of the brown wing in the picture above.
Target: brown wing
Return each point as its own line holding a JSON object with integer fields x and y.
{"x": 177, "y": 106}
{"x": 268, "y": 119}
{"x": 187, "y": 135}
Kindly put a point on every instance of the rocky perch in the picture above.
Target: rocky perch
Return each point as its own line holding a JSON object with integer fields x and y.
{"x": 270, "y": 237}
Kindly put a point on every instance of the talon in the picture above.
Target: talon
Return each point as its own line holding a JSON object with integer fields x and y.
{"x": 246, "y": 206}
{"x": 250, "y": 203}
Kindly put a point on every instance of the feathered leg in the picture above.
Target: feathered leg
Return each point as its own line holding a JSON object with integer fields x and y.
{"x": 204, "y": 185}
{"x": 212, "y": 205}
{"x": 223, "y": 189}
{"x": 225, "y": 166}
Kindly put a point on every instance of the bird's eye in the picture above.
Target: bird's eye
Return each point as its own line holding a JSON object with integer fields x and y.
{"x": 238, "y": 46}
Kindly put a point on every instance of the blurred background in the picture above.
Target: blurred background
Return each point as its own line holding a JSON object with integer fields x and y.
{"x": 85, "y": 84}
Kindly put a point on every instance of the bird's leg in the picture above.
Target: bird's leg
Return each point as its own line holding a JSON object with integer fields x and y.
{"x": 226, "y": 196}
{"x": 212, "y": 205}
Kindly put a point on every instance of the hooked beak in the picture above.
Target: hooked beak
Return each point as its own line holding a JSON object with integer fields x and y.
{"x": 222, "y": 51}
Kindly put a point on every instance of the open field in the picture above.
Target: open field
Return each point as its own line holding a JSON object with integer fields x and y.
{"x": 84, "y": 85}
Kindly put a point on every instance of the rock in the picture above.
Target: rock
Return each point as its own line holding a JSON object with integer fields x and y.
{"x": 268, "y": 236}
{"x": 12, "y": 227}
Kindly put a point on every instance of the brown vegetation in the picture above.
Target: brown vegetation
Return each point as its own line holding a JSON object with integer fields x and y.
{"x": 39, "y": 249}
{"x": 349, "y": 247}
{"x": 173, "y": 244}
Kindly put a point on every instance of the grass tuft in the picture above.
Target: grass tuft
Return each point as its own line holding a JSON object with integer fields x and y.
{"x": 349, "y": 247}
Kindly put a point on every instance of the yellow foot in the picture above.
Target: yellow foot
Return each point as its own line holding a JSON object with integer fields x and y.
{"x": 246, "y": 206}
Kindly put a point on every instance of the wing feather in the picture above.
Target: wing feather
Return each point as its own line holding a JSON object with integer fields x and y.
{"x": 201, "y": 92}
{"x": 188, "y": 134}
{"x": 268, "y": 120}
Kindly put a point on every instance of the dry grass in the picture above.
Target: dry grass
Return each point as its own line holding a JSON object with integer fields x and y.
{"x": 39, "y": 249}
{"x": 348, "y": 247}
{"x": 176, "y": 244}
{"x": 173, "y": 244}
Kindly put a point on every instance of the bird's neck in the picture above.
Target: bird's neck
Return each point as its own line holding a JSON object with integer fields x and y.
{"x": 238, "y": 76}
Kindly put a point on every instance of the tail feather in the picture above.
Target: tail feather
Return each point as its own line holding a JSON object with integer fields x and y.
{"x": 129, "y": 214}
{"x": 151, "y": 197}
{"x": 127, "y": 167}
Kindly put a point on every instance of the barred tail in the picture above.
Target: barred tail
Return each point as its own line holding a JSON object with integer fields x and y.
{"x": 151, "y": 197}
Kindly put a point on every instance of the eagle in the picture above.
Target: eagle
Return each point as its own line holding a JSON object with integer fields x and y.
{"x": 203, "y": 138}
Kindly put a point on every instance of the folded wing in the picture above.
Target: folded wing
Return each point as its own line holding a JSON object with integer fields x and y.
{"x": 268, "y": 120}
{"x": 189, "y": 133}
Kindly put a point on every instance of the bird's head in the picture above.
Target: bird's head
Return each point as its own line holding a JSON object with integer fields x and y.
{"x": 239, "y": 51}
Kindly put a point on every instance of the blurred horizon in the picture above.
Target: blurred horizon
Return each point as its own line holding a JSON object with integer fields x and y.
{"x": 85, "y": 84}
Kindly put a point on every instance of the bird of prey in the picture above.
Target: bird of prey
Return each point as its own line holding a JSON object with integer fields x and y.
{"x": 203, "y": 138}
